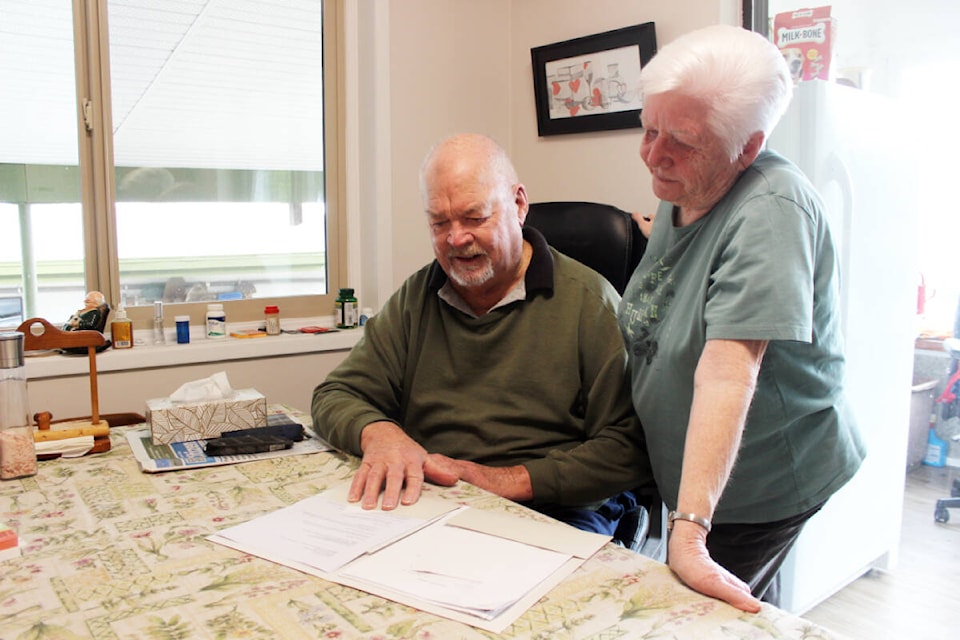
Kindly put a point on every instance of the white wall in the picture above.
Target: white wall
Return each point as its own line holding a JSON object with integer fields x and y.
{"x": 463, "y": 65}
{"x": 449, "y": 72}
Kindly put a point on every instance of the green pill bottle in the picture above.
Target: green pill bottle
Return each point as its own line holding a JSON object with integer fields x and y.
{"x": 346, "y": 306}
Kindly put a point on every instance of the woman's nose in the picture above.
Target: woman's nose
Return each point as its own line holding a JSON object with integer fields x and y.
{"x": 653, "y": 153}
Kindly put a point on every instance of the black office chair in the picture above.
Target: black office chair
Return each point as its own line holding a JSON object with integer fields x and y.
{"x": 601, "y": 236}
{"x": 607, "y": 240}
{"x": 940, "y": 513}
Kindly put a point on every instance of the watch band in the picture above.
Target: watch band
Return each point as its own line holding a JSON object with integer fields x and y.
{"x": 691, "y": 517}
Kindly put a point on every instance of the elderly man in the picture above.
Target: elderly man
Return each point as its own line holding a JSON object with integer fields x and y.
{"x": 499, "y": 363}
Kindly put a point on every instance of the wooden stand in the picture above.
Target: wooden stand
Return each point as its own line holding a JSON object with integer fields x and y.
{"x": 39, "y": 335}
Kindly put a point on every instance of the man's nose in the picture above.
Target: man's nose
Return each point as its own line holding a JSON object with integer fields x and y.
{"x": 459, "y": 235}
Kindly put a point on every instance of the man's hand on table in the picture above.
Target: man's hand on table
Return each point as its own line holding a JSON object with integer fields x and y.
{"x": 512, "y": 483}
{"x": 394, "y": 462}
{"x": 688, "y": 557}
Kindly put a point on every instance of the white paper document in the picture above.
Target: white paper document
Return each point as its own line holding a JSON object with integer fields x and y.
{"x": 478, "y": 567}
{"x": 465, "y": 570}
{"x": 325, "y": 531}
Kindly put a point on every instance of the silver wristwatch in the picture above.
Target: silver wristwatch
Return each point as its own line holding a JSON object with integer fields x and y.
{"x": 692, "y": 517}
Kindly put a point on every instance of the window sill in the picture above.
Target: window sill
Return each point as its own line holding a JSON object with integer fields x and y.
{"x": 199, "y": 350}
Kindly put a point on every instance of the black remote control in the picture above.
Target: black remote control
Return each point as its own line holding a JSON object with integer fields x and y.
{"x": 290, "y": 431}
{"x": 246, "y": 444}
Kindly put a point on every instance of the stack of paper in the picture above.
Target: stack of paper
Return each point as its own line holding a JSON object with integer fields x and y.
{"x": 326, "y": 532}
{"x": 478, "y": 567}
{"x": 464, "y": 570}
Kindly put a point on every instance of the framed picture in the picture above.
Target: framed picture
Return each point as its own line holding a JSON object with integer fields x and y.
{"x": 591, "y": 83}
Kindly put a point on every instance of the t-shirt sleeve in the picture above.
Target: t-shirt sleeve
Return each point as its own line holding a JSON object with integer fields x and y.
{"x": 761, "y": 281}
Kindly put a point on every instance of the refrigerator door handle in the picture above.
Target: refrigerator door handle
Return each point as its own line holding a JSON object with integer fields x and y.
{"x": 837, "y": 175}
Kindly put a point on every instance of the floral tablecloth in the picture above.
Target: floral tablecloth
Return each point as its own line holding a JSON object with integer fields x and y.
{"x": 110, "y": 552}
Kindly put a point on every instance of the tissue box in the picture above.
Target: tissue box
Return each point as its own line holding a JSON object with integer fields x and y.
{"x": 182, "y": 421}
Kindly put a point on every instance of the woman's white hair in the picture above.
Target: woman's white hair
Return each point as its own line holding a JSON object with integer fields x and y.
{"x": 740, "y": 75}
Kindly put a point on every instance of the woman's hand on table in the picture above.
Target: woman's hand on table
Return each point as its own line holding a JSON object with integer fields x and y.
{"x": 688, "y": 557}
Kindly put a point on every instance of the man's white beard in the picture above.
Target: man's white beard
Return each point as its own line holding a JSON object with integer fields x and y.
{"x": 471, "y": 277}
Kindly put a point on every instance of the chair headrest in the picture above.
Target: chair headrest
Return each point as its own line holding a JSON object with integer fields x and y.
{"x": 601, "y": 236}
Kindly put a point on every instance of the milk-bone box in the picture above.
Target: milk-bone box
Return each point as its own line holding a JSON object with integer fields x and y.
{"x": 805, "y": 38}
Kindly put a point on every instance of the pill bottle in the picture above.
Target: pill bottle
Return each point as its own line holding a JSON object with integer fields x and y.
{"x": 18, "y": 454}
{"x": 121, "y": 330}
{"x": 216, "y": 321}
{"x": 365, "y": 315}
{"x": 346, "y": 307}
{"x": 183, "y": 329}
{"x": 271, "y": 313}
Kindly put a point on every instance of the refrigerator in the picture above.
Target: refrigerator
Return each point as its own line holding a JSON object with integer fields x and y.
{"x": 845, "y": 140}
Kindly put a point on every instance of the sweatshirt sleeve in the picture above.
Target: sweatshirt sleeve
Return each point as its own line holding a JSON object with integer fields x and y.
{"x": 367, "y": 386}
{"x": 612, "y": 457}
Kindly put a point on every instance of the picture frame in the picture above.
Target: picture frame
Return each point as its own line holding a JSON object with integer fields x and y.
{"x": 591, "y": 83}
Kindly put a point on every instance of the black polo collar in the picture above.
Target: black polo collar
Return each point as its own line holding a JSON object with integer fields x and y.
{"x": 539, "y": 276}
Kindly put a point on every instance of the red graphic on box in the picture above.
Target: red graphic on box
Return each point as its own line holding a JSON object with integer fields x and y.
{"x": 805, "y": 38}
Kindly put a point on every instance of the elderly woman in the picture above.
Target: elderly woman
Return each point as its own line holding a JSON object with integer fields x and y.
{"x": 732, "y": 322}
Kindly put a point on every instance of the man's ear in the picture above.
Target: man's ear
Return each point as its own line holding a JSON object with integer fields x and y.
{"x": 752, "y": 149}
{"x": 520, "y": 199}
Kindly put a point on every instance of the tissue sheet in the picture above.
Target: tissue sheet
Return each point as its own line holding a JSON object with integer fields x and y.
{"x": 183, "y": 421}
{"x": 216, "y": 387}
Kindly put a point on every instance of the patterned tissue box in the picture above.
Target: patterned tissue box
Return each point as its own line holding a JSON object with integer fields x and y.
{"x": 183, "y": 421}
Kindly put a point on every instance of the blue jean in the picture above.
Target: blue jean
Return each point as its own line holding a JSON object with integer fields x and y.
{"x": 603, "y": 520}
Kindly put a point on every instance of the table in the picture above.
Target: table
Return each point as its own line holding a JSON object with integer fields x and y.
{"x": 110, "y": 552}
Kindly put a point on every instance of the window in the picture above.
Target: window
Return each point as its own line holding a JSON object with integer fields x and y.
{"x": 39, "y": 176}
{"x": 925, "y": 92}
{"x": 211, "y": 182}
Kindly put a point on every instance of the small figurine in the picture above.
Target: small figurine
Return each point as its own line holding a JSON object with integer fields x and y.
{"x": 92, "y": 316}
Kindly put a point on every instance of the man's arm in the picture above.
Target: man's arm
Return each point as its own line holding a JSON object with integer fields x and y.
{"x": 367, "y": 386}
{"x": 610, "y": 459}
{"x": 512, "y": 483}
{"x": 724, "y": 384}
{"x": 611, "y": 456}
{"x": 358, "y": 406}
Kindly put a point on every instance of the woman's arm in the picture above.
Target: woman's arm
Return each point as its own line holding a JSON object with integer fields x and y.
{"x": 724, "y": 383}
